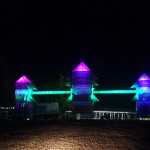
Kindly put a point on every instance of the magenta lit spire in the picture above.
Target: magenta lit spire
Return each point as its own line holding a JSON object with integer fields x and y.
{"x": 23, "y": 79}
{"x": 144, "y": 77}
{"x": 82, "y": 67}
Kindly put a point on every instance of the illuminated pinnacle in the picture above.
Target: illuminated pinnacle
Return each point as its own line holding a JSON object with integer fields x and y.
{"x": 82, "y": 67}
{"x": 144, "y": 77}
{"x": 23, "y": 79}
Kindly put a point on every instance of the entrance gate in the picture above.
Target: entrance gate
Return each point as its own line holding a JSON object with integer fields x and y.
{"x": 82, "y": 93}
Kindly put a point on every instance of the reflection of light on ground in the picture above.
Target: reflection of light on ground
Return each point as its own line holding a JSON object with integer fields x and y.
{"x": 82, "y": 139}
{"x": 64, "y": 143}
{"x": 104, "y": 135}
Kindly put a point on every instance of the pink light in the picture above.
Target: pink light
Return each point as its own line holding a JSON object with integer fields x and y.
{"x": 82, "y": 67}
{"x": 144, "y": 77}
{"x": 23, "y": 79}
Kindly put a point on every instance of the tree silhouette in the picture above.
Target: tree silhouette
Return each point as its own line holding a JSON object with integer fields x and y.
{"x": 6, "y": 84}
{"x": 54, "y": 81}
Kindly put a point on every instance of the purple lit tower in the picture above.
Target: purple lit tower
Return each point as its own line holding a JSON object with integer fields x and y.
{"x": 81, "y": 81}
{"x": 23, "y": 103}
{"x": 143, "y": 104}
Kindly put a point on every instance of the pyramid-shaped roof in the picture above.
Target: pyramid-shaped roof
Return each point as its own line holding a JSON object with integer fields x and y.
{"x": 82, "y": 67}
{"x": 23, "y": 79}
{"x": 144, "y": 77}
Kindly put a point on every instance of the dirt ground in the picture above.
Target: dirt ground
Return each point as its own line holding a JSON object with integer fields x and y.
{"x": 75, "y": 135}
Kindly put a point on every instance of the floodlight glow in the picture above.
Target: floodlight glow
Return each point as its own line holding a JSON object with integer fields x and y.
{"x": 135, "y": 85}
{"x": 144, "y": 77}
{"x": 82, "y": 67}
{"x": 93, "y": 97}
{"x": 136, "y": 97}
{"x": 70, "y": 97}
{"x": 23, "y": 79}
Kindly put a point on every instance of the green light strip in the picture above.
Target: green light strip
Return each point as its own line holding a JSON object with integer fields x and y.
{"x": 118, "y": 92}
{"x": 69, "y": 92}
{"x": 50, "y": 92}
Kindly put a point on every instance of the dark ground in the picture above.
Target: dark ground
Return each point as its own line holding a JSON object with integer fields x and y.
{"x": 76, "y": 135}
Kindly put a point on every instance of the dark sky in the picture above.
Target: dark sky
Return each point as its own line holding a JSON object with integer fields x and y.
{"x": 111, "y": 37}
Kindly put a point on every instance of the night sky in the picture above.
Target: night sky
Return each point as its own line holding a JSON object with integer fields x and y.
{"x": 111, "y": 37}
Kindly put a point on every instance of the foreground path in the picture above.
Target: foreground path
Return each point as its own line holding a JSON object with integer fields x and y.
{"x": 106, "y": 135}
